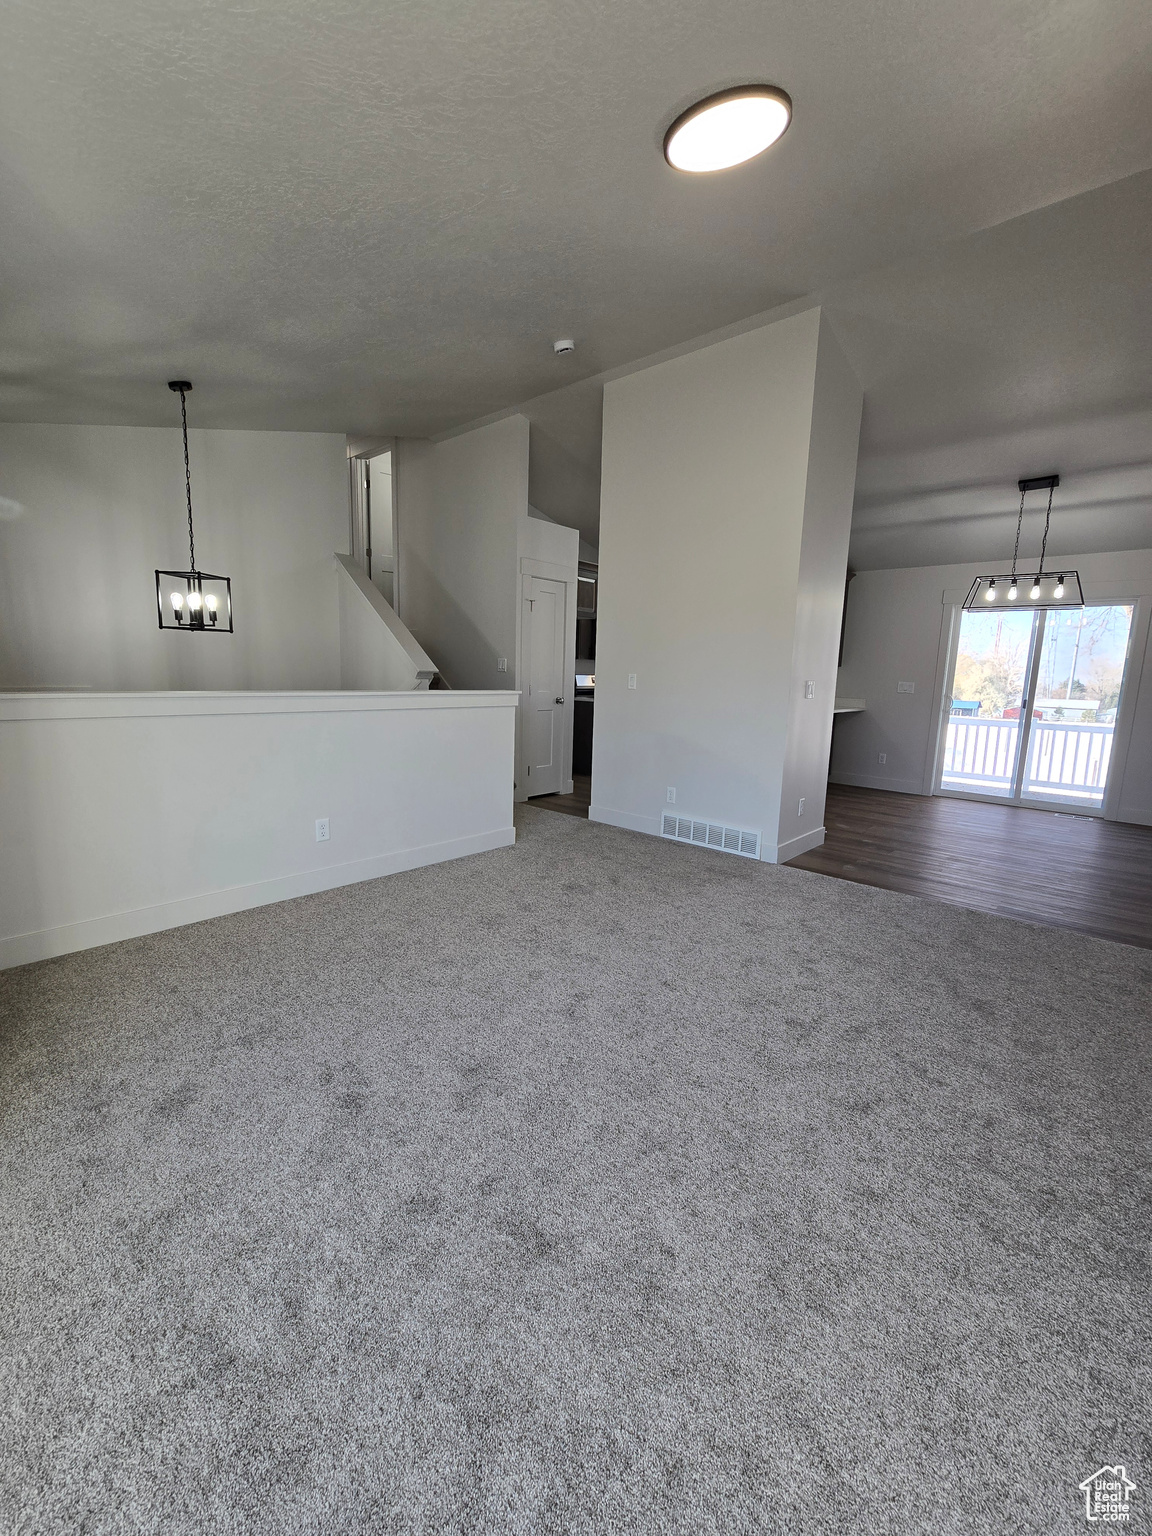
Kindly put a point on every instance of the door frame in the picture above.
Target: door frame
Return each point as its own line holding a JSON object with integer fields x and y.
{"x": 1139, "y": 643}
{"x": 548, "y": 570}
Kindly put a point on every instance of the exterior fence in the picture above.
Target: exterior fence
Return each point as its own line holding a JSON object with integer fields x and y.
{"x": 1066, "y": 760}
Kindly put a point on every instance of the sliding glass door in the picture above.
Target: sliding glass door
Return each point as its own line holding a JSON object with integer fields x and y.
{"x": 1033, "y": 705}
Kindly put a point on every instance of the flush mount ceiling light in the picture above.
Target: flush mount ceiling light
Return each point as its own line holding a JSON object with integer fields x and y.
{"x": 192, "y": 600}
{"x": 728, "y": 128}
{"x": 1045, "y": 589}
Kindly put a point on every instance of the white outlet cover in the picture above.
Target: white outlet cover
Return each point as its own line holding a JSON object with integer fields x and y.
{"x": 809, "y": 690}
{"x": 671, "y": 795}
{"x": 502, "y": 664}
{"x": 800, "y": 812}
{"x": 322, "y": 834}
{"x": 905, "y": 687}
{"x": 883, "y": 757}
{"x": 631, "y": 679}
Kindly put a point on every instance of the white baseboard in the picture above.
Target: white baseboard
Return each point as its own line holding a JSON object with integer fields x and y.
{"x": 624, "y": 819}
{"x": 795, "y": 846}
{"x": 874, "y": 781}
{"x": 23, "y": 948}
{"x": 1134, "y": 817}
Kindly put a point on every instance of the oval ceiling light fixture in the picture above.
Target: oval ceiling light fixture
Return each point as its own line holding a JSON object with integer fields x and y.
{"x": 728, "y": 128}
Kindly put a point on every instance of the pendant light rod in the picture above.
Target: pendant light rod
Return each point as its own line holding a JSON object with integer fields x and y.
{"x": 182, "y": 387}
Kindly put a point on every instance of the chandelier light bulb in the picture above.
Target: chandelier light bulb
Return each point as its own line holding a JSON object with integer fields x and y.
{"x": 210, "y": 602}
{"x": 1012, "y": 593}
{"x": 1058, "y": 589}
{"x": 194, "y": 600}
{"x": 1035, "y": 592}
{"x": 991, "y": 592}
{"x": 726, "y": 129}
{"x": 177, "y": 601}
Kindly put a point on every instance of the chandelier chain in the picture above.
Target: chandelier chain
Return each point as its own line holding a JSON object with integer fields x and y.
{"x": 1019, "y": 524}
{"x": 1044, "y": 544}
{"x": 188, "y": 484}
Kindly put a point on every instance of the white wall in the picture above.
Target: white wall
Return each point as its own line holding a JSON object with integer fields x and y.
{"x": 459, "y": 506}
{"x": 376, "y": 649}
{"x": 897, "y": 630}
{"x": 708, "y": 460}
{"x": 104, "y": 507}
{"x": 124, "y": 814}
{"x": 836, "y": 409}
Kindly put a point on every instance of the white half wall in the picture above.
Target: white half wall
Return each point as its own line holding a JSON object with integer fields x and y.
{"x": 96, "y": 510}
{"x": 897, "y": 630}
{"x": 726, "y": 500}
{"x": 123, "y": 814}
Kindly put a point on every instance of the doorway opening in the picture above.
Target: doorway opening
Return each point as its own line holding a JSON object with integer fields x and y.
{"x": 373, "y": 544}
{"x": 1033, "y": 703}
{"x": 547, "y": 752}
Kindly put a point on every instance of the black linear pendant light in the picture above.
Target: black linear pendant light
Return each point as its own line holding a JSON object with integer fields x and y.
{"x": 192, "y": 600}
{"x": 1046, "y": 589}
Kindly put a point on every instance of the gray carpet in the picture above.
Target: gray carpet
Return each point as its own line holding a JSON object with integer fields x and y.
{"x": 593, "y": 1185}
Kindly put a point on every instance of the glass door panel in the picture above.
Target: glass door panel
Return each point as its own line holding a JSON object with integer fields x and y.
{"x": 1078, "y": 684}
{"x": 983, "y": 734}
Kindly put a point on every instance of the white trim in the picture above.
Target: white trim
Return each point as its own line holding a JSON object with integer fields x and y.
{"x": 23, "y": 948}
{"x": 625, "y": 819}
{"x": 795, "y": 846}
{"x": 108, "y": 706}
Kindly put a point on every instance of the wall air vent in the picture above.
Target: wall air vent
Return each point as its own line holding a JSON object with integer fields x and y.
{"x": 710, "y": 834}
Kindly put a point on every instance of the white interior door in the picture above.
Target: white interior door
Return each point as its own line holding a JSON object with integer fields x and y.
{"x": 543, "y": 683}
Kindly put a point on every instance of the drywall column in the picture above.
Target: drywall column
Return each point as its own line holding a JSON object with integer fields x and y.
{"x": 725, "y": 509}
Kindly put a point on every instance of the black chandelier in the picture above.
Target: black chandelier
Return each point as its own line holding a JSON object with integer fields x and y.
{"x": 1046, "y": 589}
{"x": 192, "y": 600}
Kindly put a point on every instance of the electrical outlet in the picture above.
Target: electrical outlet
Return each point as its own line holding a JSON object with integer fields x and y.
{"x": 631, "y": 679}
{"x": 671, "y": 795}
{"x": 502, "y": 664}
{"x": 800, "y": 812}
{"x": 809, "y": 690}
{"x": 905, "y": 687}
{"x": 322, "y": 833}
{"x": 883, "y": 757}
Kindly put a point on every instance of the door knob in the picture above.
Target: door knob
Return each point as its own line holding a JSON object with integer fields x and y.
{"x": 559, "y": 701}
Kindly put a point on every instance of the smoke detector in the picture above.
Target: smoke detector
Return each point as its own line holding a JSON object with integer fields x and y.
{"x": 562, "y": 347}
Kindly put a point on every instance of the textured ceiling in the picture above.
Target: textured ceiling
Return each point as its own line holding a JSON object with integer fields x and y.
{"x": 342, "y": 216}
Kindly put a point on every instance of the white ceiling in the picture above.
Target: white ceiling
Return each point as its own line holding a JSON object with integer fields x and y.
{"x": 336, "y": 216}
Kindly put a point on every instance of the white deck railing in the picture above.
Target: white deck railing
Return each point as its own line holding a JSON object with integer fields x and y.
{"x": 1066, "y": 759}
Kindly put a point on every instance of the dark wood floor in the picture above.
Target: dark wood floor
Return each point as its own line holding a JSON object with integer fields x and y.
{"x": 1046, "y": 867}
{"x": 575, "y": 804}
